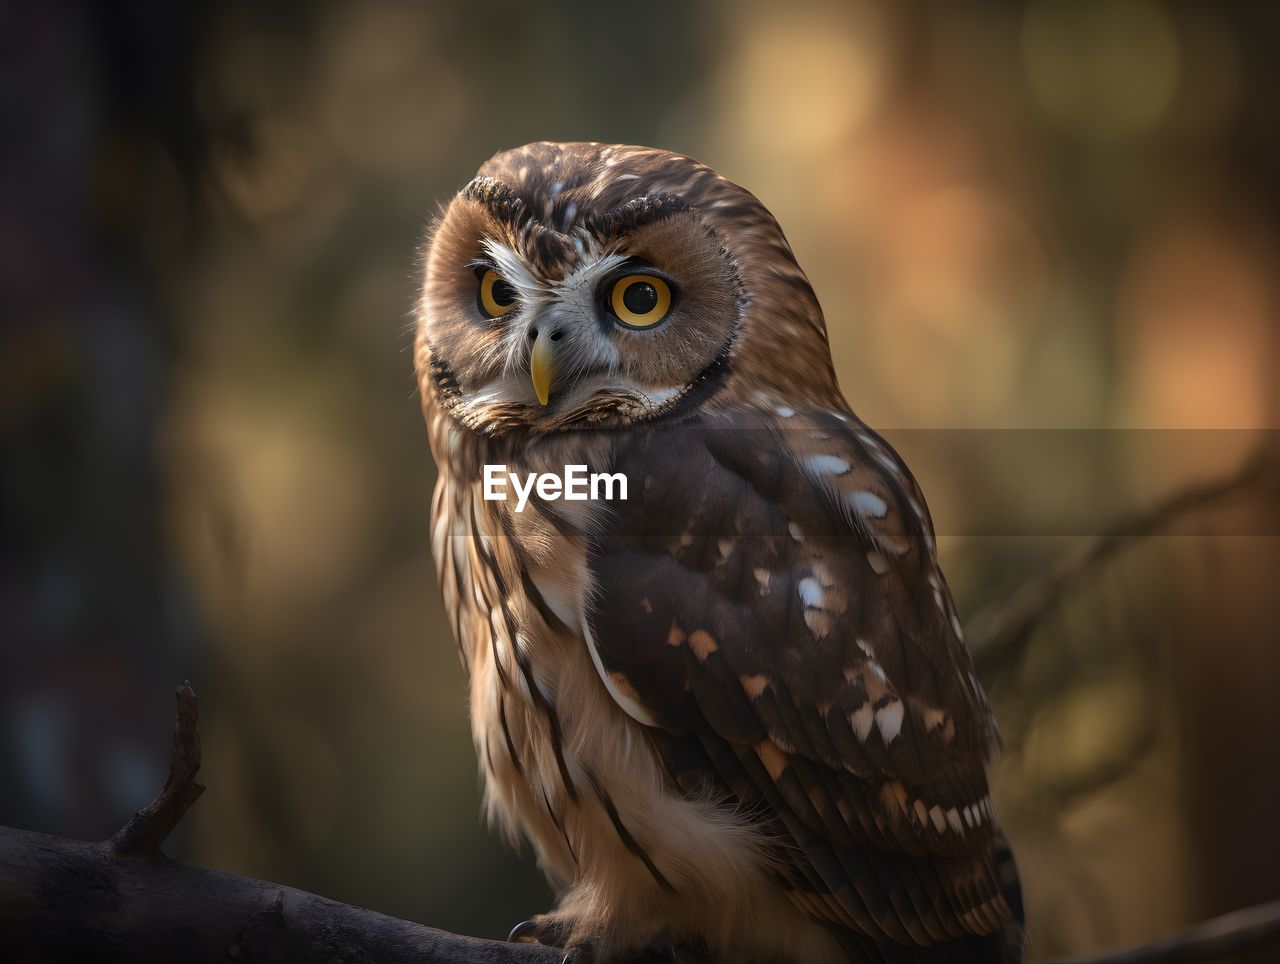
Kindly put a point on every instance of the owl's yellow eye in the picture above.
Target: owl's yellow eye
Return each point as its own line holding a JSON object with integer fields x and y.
{"x": 640, "y": 300}
{"x": 496, "y": 295}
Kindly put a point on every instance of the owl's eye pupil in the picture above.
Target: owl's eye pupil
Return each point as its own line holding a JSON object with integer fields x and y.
{"x": 640, "y": 297}
{"x": 503, "y": 293}
{"x": 496, "y": 295}
{"x": 639, "y": 300}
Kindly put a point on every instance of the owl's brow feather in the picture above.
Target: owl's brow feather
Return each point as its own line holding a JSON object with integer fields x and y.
{"x": 634, "y": 213}
{"x": 508, "y": 207}
{"x": 501, "y": 201}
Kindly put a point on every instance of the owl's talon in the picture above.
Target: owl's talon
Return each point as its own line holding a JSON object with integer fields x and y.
{"x": 526, "y": 932}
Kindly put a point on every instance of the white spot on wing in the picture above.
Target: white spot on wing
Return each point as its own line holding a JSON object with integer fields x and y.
{"x": 939, "y": 821}
{"x": 888, "y": 463}
{"x": 810, "y": 591}
{"x": 818, "y": 621}
{"x": 889, "y": 720}
{"x": 868, "y": 504}
{"x": 826, "y": 465}
{"x": 861, "y": 720}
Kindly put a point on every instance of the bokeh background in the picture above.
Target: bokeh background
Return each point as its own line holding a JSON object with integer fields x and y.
{"x": 1045, "y": 236}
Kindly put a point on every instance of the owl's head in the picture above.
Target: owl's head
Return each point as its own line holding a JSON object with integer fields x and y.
{"x": 590, "y": 285}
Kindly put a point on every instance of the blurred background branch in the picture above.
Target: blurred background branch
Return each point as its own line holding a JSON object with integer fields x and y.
{"x": 1224, "y": 938}
{"x": 1002, "y": 635}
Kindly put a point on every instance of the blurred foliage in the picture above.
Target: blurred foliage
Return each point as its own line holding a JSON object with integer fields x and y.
{"x": 1027, "y": 216}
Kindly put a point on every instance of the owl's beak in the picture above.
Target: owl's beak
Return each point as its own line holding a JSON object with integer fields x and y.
{"x": 542, "y": 367}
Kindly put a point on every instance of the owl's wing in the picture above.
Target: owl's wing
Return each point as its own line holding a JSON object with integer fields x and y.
{"x": 769, "y": 600}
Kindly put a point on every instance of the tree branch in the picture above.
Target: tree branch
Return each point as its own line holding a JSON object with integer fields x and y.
{"x": 1011, "y": 628}
{"x": 147, "y": 829}
{"x": 123, "y": 900}
{"x": 1231, "y": 934}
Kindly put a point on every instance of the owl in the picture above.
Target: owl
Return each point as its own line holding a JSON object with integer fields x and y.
{"x": 726, "y": 700}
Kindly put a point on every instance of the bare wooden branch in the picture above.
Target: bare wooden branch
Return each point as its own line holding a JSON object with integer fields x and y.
{"x": 1007, "y": 633}
{"x": 67, "y": 900}
{"x": 124, "y": 900}
{"x": 1221, "y": 938}
{"x": 147, "y": 829}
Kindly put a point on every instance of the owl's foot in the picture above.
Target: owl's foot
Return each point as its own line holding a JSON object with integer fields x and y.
{"x": 543, "y": 929}
{"x": 552, "y": 932}
{"x": 526, "y": 932}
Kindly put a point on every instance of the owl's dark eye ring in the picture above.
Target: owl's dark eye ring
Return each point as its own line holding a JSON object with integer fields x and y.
{"x": 640, "y": 300}
{"x": 496, "y": 296}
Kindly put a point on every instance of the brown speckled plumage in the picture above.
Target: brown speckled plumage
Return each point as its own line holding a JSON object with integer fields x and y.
{"x": 735, "y": 708}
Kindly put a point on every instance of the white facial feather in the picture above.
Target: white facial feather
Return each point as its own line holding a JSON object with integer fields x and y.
{"x": 596, "y": 264}
{"x": 530, "y": 291}
{"x": 568, "y": 305}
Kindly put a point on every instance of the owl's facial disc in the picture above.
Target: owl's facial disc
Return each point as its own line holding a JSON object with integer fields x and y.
{"x": 599, "y": 325}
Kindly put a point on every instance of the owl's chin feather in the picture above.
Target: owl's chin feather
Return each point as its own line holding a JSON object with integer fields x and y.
{"x": 583, "y": 407}
{"x": 508, "y": 404}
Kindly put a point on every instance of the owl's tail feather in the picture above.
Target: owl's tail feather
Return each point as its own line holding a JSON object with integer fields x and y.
{"x": 1014, "y": 932}
{"x": 1007, "y": 945}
